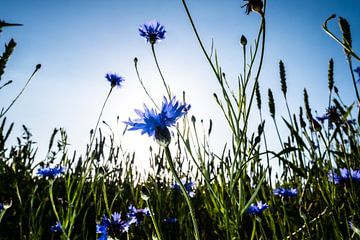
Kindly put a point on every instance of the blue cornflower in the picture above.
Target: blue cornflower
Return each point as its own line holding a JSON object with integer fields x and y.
{"x": 282, "y": 192}
{"x": 258, "y": 208}
{"x": 1, "y": 207}
{"x": 253, "y": 5}
{"x": 357, "y": 70}
{"x": 156, "y": 124}
{"x": 56, "y": 228}
{"x": 188, "y": 186}
{"x": 101, "y": 229}
{"x": 354, "y": 226}
{"x": 332, "y": 115}
{"x": 170, "y": 220}
{"x": 114, "y": 79}
{"x": 50, "y": 172}
{"x": 113, "y": 226}
{"x": 344, "y": 176}
{"x": 152, "y": 31}
{"x": 137, "y": 215}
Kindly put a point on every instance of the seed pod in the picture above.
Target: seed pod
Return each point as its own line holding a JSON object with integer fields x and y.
{"x": 331, "y": 75}
{"x": 345, "y": 29}
{"x": 271, "y": 103}
{"x": 258, "y": 96}
{"x": 243, "y": 40}
{"x": 307, "y": 106}
{"x": 283, "y": 78}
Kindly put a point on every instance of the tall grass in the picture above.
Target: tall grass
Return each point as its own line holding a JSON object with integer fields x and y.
{"x": 190, "y": 191}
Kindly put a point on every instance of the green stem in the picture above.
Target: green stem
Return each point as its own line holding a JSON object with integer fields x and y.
{"x": 254, "y": 229}
{"x": 161, "y": 75}
{"x": 2, "y": 113}
{"x": 183, "y": 190}
{"x": 51, "y": 181}
{"x": 154, "y": 222}
{"x": 97, "y": 123}
{"x": 143, "y": 86}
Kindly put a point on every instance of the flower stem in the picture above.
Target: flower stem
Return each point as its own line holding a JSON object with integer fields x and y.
{"x": 161, "y": 75}
{"x": 51, "y": 182}
{"x": 143, "y": 86}
{"x": 154, "y": 222}
{"x": 97, "y": 123}
{"x": 2, "y": 113}
{"x": 183, "y": 190}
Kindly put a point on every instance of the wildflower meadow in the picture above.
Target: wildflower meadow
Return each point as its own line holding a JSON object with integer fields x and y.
{"x": 305, "y": 184}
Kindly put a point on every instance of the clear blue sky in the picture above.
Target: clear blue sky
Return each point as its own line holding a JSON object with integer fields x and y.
{"x": 78, "y": 42}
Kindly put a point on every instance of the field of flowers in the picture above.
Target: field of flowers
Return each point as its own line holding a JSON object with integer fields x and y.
{"x": 191, "y": 192}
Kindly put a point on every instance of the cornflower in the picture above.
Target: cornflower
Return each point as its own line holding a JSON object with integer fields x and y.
{"x": 137, "y": 215}
{"x": 357, "y": 70}
{"x": 258, "y": 208}
{"x": 50, "y": 172}
{"x": 253, "y": 5}
{"x": 283, "y": 192}
{"x": 114, "y": 79}
{"x": 152, "y": 31}
{"x": 188, "y": 186}
{"x": 113, "y": 226}
{"x": 56, "y": 228}
{"x": 170, "y": 220}
{"x": 157, "y": 124}
{"x": 345, "y": 176}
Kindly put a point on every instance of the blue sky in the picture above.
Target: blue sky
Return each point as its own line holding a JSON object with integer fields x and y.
{"x": 78, "y": 42}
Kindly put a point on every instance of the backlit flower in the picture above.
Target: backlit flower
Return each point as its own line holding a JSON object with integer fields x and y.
{"x": 283, "y": 192}
{"x": 253, "y": 5}
{"x": 113, "y": 226}
{"x": 114, "y": 79}
{"x": 345, "y": 176}
{"x": 137, "y": 215}
{"x": 188, "y": 186}
{"x": 157, "y": 124}
{"x": 357, "y": 70}
{"x": 56, "y": 228}
{"x": 152, "y": 31}
{"x": 257, "y": 208}
{"x": 170, "y": 220}
{"x": 50, "y": 172}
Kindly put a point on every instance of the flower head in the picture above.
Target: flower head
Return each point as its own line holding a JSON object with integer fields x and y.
{"x": 253, "y": 5}
{"x": 282, "y": 192}
{"x": 170, "y": 220}
{"x": 334, "y": 116}
{"x": 258, "y": 208}
{"x": 1, "y": 206}
{"x": 357, "y": 70}
{"x": 50, "y": 172}
{"x": 113, "y": 226}
{"x": 188, "y": 186}
{"x": 157, "y": 124}
{"x": 56, "y": 228}
{"x": 137, "y": 215}
{"x": 344, "y": 176}
{"x": 152, "y": 31}
{"x": 114, "y": 79}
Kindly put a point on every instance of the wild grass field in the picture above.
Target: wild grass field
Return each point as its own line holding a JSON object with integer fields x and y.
{"x": 190, "y": 191}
